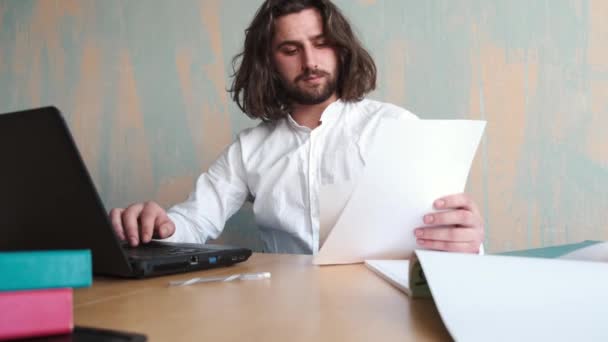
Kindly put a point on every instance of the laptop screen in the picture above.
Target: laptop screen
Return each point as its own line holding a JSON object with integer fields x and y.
{"x": 47, "y": 198}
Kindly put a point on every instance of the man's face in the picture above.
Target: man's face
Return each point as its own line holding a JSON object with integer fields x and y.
{"x": 304, "y": 60}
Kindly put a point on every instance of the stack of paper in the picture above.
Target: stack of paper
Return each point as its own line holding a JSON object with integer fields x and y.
{"x": 506, "y": 298}
{"x": 395, "y": 272}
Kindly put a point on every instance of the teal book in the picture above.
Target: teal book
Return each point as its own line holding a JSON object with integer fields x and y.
{"x": 28, "y": 270}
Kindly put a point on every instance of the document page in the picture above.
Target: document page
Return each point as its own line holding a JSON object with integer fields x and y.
{"x": 411, "y": 164}
{"x": 507, "y": 298}
{"x": 396, "y": 272}
{"x": 332, "y": 200}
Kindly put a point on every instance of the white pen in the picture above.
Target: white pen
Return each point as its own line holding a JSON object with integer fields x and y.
{"x": 242, "y": 276}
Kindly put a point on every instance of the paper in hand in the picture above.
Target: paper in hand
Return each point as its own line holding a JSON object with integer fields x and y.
{"x": 411, "y": 164}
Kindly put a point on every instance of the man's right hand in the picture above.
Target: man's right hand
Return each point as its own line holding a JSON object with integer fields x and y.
{"x": 141, "y": 222}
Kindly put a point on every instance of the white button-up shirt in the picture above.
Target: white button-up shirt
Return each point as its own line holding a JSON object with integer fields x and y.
{"x": 282, "y": 165}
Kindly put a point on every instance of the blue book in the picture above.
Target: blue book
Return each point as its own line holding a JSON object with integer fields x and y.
{"x": 28, "y": 270}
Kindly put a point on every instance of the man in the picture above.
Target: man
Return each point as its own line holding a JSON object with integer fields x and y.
{"x": 305, "y": 75}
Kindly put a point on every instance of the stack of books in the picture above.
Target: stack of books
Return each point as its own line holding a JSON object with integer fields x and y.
{"x": 36, "y": 291}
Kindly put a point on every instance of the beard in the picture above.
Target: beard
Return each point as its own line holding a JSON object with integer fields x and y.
{"x": 311, "y": 95}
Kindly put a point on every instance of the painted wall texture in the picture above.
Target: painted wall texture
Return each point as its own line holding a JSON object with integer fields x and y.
{"x": 142, "y": 85}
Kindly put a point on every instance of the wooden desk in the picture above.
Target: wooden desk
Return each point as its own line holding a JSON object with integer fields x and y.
{"x": 301, "y": 302}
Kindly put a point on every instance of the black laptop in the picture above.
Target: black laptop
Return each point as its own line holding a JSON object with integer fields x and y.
{"x": 48, "y": 201}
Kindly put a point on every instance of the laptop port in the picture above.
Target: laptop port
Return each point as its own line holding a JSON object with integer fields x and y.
{"x": 193, "y": 260}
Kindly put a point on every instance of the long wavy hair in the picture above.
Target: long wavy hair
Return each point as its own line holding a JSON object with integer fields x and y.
{"x": 257, "y": 88}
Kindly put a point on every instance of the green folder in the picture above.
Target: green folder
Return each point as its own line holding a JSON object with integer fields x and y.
{"x": 550, "y": 252}
{"x": 45, "y": 269}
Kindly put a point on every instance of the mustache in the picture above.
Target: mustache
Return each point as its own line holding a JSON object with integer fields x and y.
{"x": 311, "y": 73}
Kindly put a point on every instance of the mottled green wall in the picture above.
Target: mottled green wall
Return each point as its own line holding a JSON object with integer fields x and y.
{"x": 142, "y": 84}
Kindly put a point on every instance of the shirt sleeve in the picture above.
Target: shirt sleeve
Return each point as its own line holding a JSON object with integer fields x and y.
{"x": 218, "y": 194}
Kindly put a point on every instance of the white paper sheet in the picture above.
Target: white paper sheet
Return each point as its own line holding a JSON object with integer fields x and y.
{"x": 332, "y": 200}
{"x": 505, "y": 298}
{"x": 412, "y": 163}
{"x": 597, "y": 252}
{"x": 396, "y": 272}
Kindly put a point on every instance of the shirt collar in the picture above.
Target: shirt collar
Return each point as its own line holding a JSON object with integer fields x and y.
{"x": 293, "y": 124}
{"x": 332, "y": 112}
{"x": 329, "y": 115}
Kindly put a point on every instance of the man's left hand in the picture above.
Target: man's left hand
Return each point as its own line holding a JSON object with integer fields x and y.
{"x": 458, "y": 227}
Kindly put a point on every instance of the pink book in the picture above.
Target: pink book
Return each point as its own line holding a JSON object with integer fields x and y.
{"x": 35, "y": 313}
